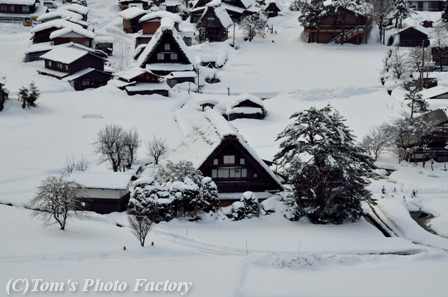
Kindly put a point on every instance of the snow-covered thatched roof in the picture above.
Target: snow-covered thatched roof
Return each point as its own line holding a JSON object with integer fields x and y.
{"x": 60, "y": 13}
{"x": 220, "y": 13}
{"x": 18, "y": 2}
{"x": 166, "y": 27}
{"x": 64, "y": 55}
{"x": 104, "y": 39}
{"x": 206, "y": 136}
{"x": 276, "y": 2}
{"x": 160, "y": 14}
{"x": 102, "y": 180}
{"x": 76, "y": 8}
{"x": 434, "y": 92}
{"x": 246, "y": 96}
{"x": 131, "y": 13}
{"x": 130, "y": 73}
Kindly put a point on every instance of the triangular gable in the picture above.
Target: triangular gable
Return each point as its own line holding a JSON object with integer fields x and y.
{"x": 163, "y": 34}
{"x": 213, "y": 134}
{"x": 220, "y": 13}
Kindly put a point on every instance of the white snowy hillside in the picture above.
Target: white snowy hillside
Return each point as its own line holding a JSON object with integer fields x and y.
{"x": 264, "y": 256}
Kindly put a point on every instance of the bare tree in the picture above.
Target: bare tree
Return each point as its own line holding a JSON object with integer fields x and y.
{"x": 157, "y": 146}
{"x": 380, "y": 10}
{"x": 397, "y": 64}
{"x": 140, "y": 227}
{"x": 131, "y": 143}
{"x": 110, "y": 146}
{"x": 55, "y": 198}
{"x": 418, "y": 104}
{"x": 72, "y": 164}
{"x": 376, "y": 142}
{"x": 439, "y": 44}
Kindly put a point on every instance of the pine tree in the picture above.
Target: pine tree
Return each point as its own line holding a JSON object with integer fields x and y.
{"x": 34, "y": 94}
{"x": 327, "y": 169}
{"x": 402, "y": 11}
{"x": 311, "y": 14}
{"x": 23, "y": 96}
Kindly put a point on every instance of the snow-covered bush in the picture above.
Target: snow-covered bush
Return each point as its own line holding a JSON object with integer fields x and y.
{"x": 177, "y": 191}
{"x": 248, "y": 207}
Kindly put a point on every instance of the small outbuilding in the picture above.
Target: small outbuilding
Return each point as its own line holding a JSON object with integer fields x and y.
{"x": 246, "y": 106}
{"x": 413, "y": 36}
{"x": 439, "y": 92}
{"x": 105, "y": 192}
{"x": 273, "y": 8}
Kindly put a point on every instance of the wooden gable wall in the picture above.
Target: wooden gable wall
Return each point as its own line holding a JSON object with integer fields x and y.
{"x": 167, "y": 38}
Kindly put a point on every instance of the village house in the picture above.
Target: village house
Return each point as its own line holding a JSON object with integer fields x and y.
{"x": 142, "y": 4}
{"x": 428, "y": 5}
{"x": 433, "y": 145}
{"x": 82, "y": 69}
{"x": 60, "y": 14}
{"x": 273, "y": 7}
{"x": 214, "y": 23}
{"x": 131, "y": 17}
{"x": 215, "y": 147}
{"x": 246, "y": 106}
{"x": 413, "y": 36}
{"x": 105, "y": 192}
{"x": 150, "y": 22}
{"x": 236, "y": 9}
{"x": 104, "y": 43}
{"x": 172, "y": 5}
{"x": 166, "y": 52}
{"x": 73, "y": 32}
{"x": 139, "y": 81}
{"x": 440, "y": 57}
{"x": 333, "y": 28}
{"x": 35, "y": 51}
{"x": 17, "y": 10}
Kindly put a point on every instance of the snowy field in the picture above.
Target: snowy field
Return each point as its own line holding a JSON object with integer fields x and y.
{"x": 267, "y": 256}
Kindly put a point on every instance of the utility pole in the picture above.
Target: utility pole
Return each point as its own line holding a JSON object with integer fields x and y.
{"x": 233, "y": 35}
{"x": 423, "y": 65}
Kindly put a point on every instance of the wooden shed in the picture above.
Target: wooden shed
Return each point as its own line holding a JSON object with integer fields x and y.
{"x": 246, "y": 106}
{"x": 413, "y": 37}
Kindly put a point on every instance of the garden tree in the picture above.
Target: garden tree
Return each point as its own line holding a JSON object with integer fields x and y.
{"x": 401, "y": 11}
{"x": 311, "y": 14}
{"x": 439, "y": 44}
{"x": 326, "y": 169}
{"x": 376, "y": 142}
{"x": 156, "y": 147}
{"x": 419, "y": 60}
{"x": 254, "y": 25}
{"x": 55, "y": 198}
{"x": 172, "y": 172}
{"x": 296, "y": 5}
{"x": 73, "y": 164}
{"x": 140, "y": 227}
{"x": 417, "y": 105}
{"x": 380, "y": 10}
{"x": 29, "y": 95}
{"x": 247, "y": 208}
{"x": 397, "y": 63}
{"x": 117, "y": 146}
{"x": 131, "y": 143}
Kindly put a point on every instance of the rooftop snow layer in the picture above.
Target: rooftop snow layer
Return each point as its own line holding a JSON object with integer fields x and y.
{"x": 67, "y": 30}
{"x": 59, "y": 23}
{"x": 131, "y": 13}
{"x": 104, "y": 39}
{"x": 64, "y": 55}
{"x": 159, "y": 15}
{"x": 246, "y": 96}
{"x": 63, "y": 14}
{"x": 77, "y": 8}
{"x": 102, "y": 180}
{"x": 432, "y": 92}
{"x": 130, "y": 73}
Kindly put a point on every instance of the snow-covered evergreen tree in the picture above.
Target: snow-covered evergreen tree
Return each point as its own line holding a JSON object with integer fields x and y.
{"x": 327, "y": 169}
{"x": 248, "y": 207}
{"x": 254, "y": 25}
{"x": 311, "y": 13}
{"x": 402, "y": 11}
{"x": 33, "y": 95}
{"x": 444, "y": 16}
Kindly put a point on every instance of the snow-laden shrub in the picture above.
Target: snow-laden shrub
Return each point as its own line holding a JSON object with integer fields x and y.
{"x": 177, "y": 191}
{"x": 248, "y": 207}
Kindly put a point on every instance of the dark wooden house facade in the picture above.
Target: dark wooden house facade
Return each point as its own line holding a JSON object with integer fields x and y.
{"x": 151, "y": 22}
{"x": 213, "y": 24}
{"x": 138, "y": 81}
{"x": 166, "y": 52}
{"x": 236, "y": 9}
{"x": 428, "y": 5}
{"x": 435, "y": 144}
{"x": 219, "y": 151}
{"x": 83, "y": 69}
{"x": 413, "y": 37}
{"x": 18, "y": 6}
{"x": 131, "y": 17}
{"x": 273, "y": 8}
{"x": 333, "y": 28}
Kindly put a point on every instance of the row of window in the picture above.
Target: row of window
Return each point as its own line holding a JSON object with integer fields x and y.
{"x": 59, "y": 65}
{"x": 167, "y": 56}
{"x": 230, "y": 173}
{"x": 5, "y": 7}
{"x": 228, "y": 160}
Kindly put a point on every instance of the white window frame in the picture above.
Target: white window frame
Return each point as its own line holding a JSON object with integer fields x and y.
{"x": 229, "y": 159}
{"x": 160, "y": 56}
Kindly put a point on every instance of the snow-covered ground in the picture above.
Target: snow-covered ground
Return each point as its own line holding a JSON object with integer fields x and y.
{"x": 268, "y": 256}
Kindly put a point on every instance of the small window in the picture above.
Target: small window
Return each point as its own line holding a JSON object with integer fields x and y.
{"x": 244, "y": 172}
{"x": 173, "y": 56}
{"x": 85, "y": 82}
{"x": 49, "y": 63}
{"x": 160, "y": 56}
{"x": 25, "y": 8}
{"x": 223, "y": 173}
{"x": 215, "y": 162}
{"x": 255, "y": 175}
{"x": 214, "y": 173}
{"x": 167, "y": 46}
{"x": 66, "y": 67}
{"x": 229, "y": 159}
{"x": 242, "y": 161}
